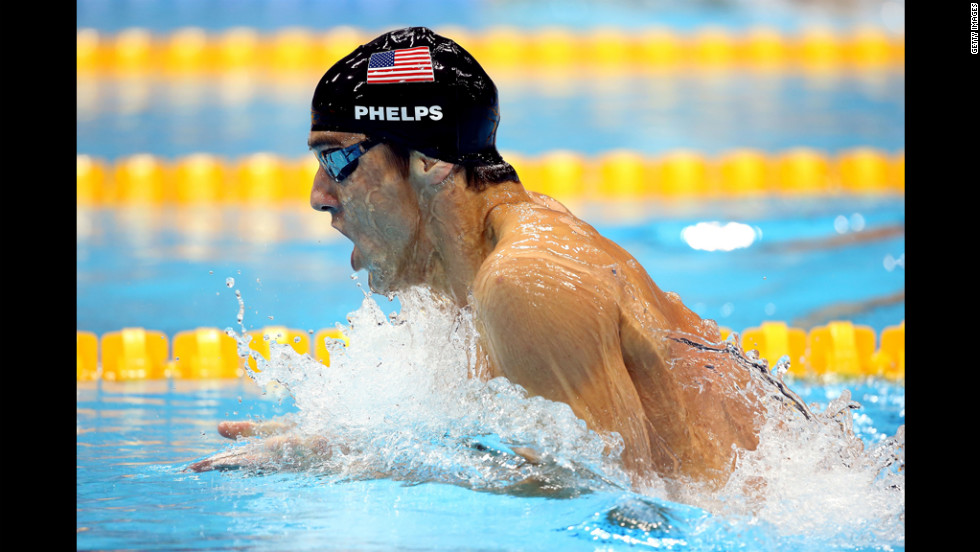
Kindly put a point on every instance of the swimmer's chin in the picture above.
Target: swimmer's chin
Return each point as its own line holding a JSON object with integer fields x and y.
{"x": 378, "y": 281}
{"x": 356, "y": 262}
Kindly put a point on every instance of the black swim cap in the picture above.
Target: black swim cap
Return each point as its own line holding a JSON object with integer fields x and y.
{"x": 416, "y": 88}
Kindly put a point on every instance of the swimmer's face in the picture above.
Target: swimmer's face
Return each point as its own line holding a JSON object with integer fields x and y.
{"x": 374, "y": 206}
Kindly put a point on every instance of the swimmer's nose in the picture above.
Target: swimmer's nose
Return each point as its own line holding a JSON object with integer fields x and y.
{"x": 323, "y": 196}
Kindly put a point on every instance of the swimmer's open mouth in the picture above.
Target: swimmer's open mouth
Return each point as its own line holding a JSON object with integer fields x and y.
{"x": 338, "y": 224}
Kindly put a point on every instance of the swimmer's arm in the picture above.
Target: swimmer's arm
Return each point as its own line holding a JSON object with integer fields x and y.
{"x": 528, "y": 334}
{"x": 244, "y": 429}
{"x": 286, "y": 451}
{"x": 273, "y": 443}
{"x": 556, "y": 334}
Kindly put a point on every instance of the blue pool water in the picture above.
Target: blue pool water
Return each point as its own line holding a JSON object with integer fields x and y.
{"x": 649, "y": 114}
{"x": 165, "y": 269}
{"x": 135, "y": 439}
{"x": 114, "y": 15}
{"x": 144, "y": 268}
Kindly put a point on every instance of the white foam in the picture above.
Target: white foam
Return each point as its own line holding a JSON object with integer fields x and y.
{"x": 400, "y": 402}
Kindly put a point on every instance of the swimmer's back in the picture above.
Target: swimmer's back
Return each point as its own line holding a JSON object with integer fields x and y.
{"x": 546, "y": 229}
{"x": 675, "y": 418}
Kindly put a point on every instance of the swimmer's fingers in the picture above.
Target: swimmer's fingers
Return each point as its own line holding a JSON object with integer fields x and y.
{"x": 234, "y": 430}
{"x": 243, "y": 457}
{"x": 532, "y": 456}
{"x": 273, "y": 453}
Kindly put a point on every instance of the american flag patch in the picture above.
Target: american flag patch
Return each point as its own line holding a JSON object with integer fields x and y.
{"x": 408, "y": 65}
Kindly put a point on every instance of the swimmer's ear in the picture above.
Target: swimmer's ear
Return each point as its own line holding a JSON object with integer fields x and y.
{"x": 428, "y": 171}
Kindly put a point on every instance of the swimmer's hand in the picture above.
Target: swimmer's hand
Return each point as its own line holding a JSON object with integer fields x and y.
{"x": 273, "y": 453}
{"x": 234, "y": 430}
{"x": 229, "y": 460}
{"x": 276, "y": 449}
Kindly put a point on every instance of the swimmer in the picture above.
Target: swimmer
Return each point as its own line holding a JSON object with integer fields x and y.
{"x": 404, "y": 128}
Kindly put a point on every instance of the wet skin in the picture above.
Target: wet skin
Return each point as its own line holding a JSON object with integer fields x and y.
{"x": 561, "y": 310}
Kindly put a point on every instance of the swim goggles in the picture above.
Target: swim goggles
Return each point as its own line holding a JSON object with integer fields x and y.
{"x": 340, "y": 163}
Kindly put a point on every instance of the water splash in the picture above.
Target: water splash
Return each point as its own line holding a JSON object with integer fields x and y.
{"x": 812, "y": 476}
{"x": 400, "y": 402}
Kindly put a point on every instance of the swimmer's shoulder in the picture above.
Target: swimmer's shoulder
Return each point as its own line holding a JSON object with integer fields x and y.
{"x": 535, "y": 240}
{"x": 518, "y": 221}
{"x": 548, "y": 202}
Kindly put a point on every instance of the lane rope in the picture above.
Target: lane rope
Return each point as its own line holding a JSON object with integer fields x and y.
{"x": 840, "y": 348}
{"x": 262, "y": 177}
{"x": 192, "y": 50}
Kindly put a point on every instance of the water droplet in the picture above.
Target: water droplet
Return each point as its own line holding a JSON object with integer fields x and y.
{"x": 782, "y": 366}
{"x": 241, "y": 307}
{"x": 856, "y": 222}
{"x": 230, "y": 282}
{"x": 891, "y": 263}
